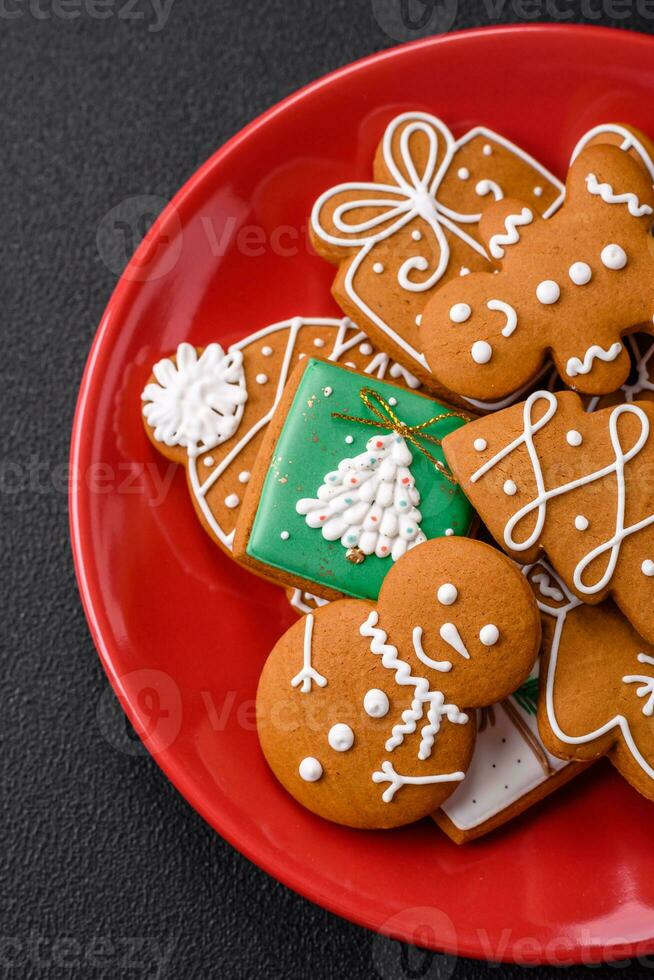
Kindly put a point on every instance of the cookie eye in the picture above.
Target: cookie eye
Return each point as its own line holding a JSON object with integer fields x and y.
{"x": 460, "y": 312}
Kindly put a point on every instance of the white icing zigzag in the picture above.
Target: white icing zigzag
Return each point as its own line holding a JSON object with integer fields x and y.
{"x": 576, "y": 366}
{"x": 511, "y": 236}
{"x": 605, "y": 191}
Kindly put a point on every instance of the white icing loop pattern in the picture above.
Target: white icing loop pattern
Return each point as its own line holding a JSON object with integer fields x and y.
{"x": 538, "y": 505}
{"x": 511, "y": 235}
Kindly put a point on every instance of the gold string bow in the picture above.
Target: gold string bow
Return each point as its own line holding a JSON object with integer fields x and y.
{"x": 385, "y": 418}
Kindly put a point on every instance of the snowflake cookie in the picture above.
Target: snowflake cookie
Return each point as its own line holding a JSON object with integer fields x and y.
{"x": 365, "y": 711}
{"x": 573, "y": 286}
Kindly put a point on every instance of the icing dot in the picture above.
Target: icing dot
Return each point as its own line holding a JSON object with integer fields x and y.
{"x": 340, "y": 738}
{"x": 350, "y": 364}
{"x": 460, "y": 312}
{"x": 418, "y": 319}
{"x": 487, "y": 150}
{"x": 574, "y": 438}
{"x": 447, "y": 594}
{"x": 581, "y": 522}
{"x": 613, "y": 257}
{"x": 647, "y": 568}
{"x": 580, "y": 273}
{"x": 310, "y": 769}
{"x": 480, "y": 445}
{"x": 365, "y": 349}
{"x": 378, "y": 267}
{"x": 538, "y": 191}
{"x": 266, "y": 351}
{"x": 509, "y": 488}
{"x": 392, "y": 401}
{"x": 489, "y": 635}
{"x": 208, "y": 460}
{"x": 232, "y": 501}
{"x": 319, "y": 342}
{"x": 464, "y": 271}
{"x": 376, "y": 703}
{"x": 463, "y": 173}
{"x": 284, "y": 535}
{"x": 416, "y": 235}
{"x": 261, "y": 379}
{"x": 481, "y": 352}
{"x": 547, "y": 292}
{"x": 349, "y": 440}
{"x": 449, "y": 531}
{"x": 327, "y": 391}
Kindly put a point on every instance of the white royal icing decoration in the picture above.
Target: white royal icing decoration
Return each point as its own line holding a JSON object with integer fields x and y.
{"x": 580, "y": 273}
{"x": 511, "y": 316}
{"x": 581, "y": 522}
{"x": 460, "y": 312}
{"x": 450, "y": 635}
{"x": 387, "y": 774}
{"x": 605, "y": 191}
{"x": 574, "y": 438}
{"x": 441, "y": 665}
{"x": 647, "y": 682}
{"x": 308, "y": 675}
{"x": 376, "y": 703}
{"x": 232, "y": 501}
{"x": 310, "y": 769}
{"x": 594, "y": 353}
{"x": 484, "y": 187}
{"x": 370, "y": 501}
{"x": 548, "y": 292}
{"x": 489, "y": 635}
{"x": 197, "y": 402}
{"x": 511, "y": 235}
{"x": 244, "y": 476}
{"x": 340, "y": 737}
{"x": 378, "y": 267}
{"x": 481, "y": 352}
{"x": 423, "y": 695}
{"x": 539, "y": 504}
{"x": 447, "y": 594}
{"x": 647, "y": 568}
{"x": 480, "y": 445}
{"x": 613, "y": 257}
{"x": 284, "y": 535}
{"x": 509, "y": 488}
{"x": 463, "y": 173}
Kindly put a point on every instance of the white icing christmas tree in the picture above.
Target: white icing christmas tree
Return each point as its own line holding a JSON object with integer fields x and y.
{"x": 370, "y": 502}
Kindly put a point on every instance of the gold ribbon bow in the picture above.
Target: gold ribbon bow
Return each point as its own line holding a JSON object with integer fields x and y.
{"x": 385, "y": 418}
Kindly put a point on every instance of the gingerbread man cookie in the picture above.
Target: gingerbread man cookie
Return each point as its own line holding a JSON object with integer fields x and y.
{"x": 208, "y": 410}
{"x": 547, "y": 476}
{"x": 415, "y": 226}
{"x": 597, "y": 690}
{"x": 365, "y": 710}
{"x": 573, "y": 285}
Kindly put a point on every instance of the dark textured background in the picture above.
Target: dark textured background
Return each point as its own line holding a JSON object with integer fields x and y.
{"x": 104, "y": 870}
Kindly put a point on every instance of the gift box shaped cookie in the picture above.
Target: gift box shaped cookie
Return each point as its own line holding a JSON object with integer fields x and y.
{"x": 207, "y": 409}
{"x": 350, "y": 476}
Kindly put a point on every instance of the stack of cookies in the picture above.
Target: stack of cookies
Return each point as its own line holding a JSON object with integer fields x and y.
{"x": 454, "y": 482}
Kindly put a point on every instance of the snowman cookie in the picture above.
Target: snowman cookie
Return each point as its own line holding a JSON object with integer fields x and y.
{"x": 349, "y": 478}
{"x": 365, "y": 710}
{"x": 207, "y": 408}
{"x": 597, "y": 685}
{"x": 398, "y": 238}
{"x": 572, "y": 286}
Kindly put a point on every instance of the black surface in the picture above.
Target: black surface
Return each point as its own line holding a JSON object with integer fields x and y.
{"x": 104, "y": 870}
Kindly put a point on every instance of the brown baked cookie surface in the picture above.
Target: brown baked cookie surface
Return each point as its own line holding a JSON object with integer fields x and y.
{"x": 365, "y": 710}
{"x": 208, "y": 410}
{"x": 548, "y": 477}
{"x": 573, "y": 286}
{"x": 597, "y": 686}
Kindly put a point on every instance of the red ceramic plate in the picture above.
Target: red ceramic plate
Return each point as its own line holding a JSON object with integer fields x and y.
{"x": 183, "y": 633}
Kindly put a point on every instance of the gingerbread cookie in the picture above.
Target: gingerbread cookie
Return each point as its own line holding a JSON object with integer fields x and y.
{"x": 350, "y": 476}
{"x": 365, "y": 710}
{"x": 573, "y": 285}
{"x": 208, "y": 411}
{"x": 415, "y": 226}
{"x": 597, "y": 691}
{"x": 547, "y": 476}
